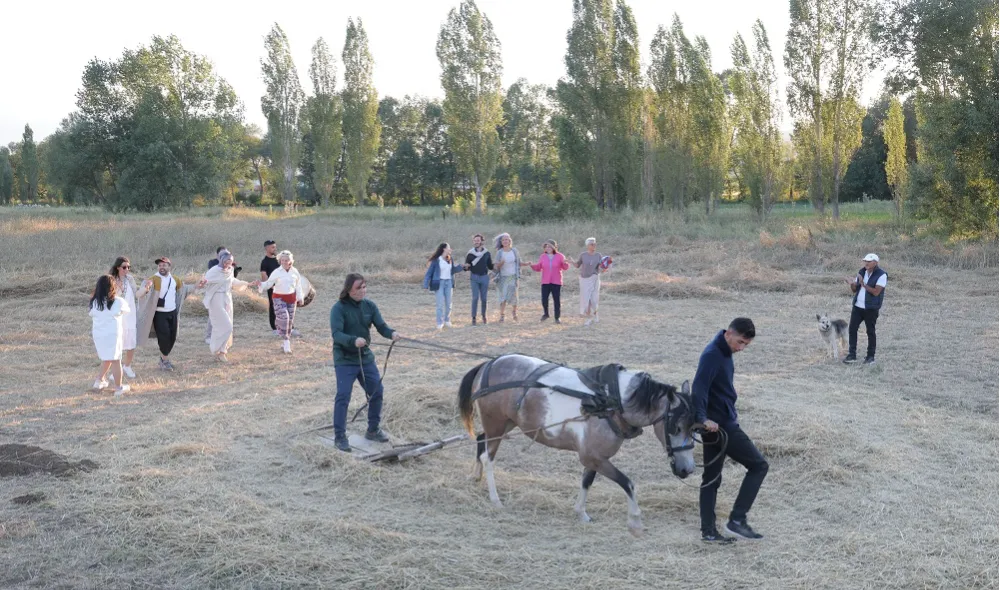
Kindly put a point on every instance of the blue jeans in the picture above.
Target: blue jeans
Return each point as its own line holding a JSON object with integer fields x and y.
{"x": 368, "y": 376}
{"x": 480, "y": 286}
{"x": 443, "y": 295}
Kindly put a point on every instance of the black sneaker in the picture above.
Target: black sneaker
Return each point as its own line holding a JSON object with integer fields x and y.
{"x": 742, "y": 529}
{"x": 544, "y": 317}
{"x": 850, "y": 359}
{"x": 377, "y": 435}
{"x": 715, "y": 538}
{"x": 869, "y": 360}
{"x": 473, "y": 320}
{"x": 484, "y": 319}
{"x": 557, "y": 321}
{"x": 341, "y": 443}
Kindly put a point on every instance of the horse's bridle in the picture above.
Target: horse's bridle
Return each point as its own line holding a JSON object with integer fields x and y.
{"x": 670, "y": 418}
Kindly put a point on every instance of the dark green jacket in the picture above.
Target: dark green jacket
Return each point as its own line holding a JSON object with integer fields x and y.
{"x": 350, "y": 320}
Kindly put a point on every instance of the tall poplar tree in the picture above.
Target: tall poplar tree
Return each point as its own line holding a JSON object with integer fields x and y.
{"x": 471, "y": 74}
{"x": 895, "y": 161}
{"x": 853, "y": 59}
{"x": 30, "y": 171}
{"x": 807, "y": 59}
{"x": 362, "y": 130}
{"x": 756, "y": 114}
{"x": 282, "y": 105}
{"x": 325, "y": 114}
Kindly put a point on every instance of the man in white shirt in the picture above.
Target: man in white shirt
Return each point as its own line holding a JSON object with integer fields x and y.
{"x": 868, "y": 287}
{"x": 165, "y": 318}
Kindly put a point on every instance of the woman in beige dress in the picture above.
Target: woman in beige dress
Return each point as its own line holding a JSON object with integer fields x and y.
{"x": 219, "y": 283}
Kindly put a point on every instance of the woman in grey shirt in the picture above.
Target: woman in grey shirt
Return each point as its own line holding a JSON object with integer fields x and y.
{"x": 589, "y": 263}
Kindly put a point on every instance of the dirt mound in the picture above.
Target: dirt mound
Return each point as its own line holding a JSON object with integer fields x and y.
{"x": 26, "y": 459}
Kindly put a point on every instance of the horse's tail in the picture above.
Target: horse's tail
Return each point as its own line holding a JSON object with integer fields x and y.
{"x": 465, "y": 400}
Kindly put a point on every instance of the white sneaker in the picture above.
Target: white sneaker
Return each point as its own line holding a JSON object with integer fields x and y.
{"x": 286, "y": 346}
{"x": 596, "y": 319}
{"x": 588, "y": 322}
{"x": 447, "y": 324}
{"x": 296, "y": 333}
{"x": 121, "y": 390}
{"x": 128, "y": 372}
{"x": 98, "y": 385}
{"x": 208, "y": 341}
{"x": 440, "y": 327}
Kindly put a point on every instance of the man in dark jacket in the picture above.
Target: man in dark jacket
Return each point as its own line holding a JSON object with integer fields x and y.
{"x": 351, "y": 319}
{"x": 868, "y": 287}
{"x": 714, "y": 398}
{"x": 478, "y": 262}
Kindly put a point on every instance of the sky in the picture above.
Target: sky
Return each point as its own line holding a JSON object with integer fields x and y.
{"x": 50, "y": 42}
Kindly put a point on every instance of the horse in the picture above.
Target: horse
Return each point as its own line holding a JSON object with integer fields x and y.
{"x": 590, "y": 412}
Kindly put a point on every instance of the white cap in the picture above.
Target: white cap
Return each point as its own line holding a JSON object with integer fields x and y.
{"x": 872, "y": 257}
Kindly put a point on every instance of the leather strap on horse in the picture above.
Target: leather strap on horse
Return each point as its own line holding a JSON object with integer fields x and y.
{"x": 602, "y": 401}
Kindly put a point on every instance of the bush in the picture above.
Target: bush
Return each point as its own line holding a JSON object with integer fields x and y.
{"x": 578, "y": 206}
{"x": 532, "y": 209}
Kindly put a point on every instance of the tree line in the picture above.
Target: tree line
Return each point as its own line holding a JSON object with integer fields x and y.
{"x": 158, "y": 127}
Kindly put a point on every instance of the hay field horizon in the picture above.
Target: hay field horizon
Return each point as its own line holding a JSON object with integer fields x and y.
{"x": 880, "y": 477}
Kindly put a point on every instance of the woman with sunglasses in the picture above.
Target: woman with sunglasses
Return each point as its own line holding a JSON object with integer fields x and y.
{"x": 121, "y": 273}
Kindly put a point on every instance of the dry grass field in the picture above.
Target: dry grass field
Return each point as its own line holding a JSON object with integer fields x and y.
{"x": 881, "y": 477}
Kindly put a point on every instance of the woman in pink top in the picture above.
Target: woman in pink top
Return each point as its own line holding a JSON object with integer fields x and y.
{"x": 551, "y": 264}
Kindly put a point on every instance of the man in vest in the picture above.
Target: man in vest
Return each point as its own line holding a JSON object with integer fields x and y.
{"x": 869, "y": 290}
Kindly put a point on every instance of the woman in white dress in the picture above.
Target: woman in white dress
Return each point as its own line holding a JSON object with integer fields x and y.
{"x": 125, "y": 285}
{"x": 287, "y": 293}
{"x": 219, "y": 283}
{"x": 107, "y": 309}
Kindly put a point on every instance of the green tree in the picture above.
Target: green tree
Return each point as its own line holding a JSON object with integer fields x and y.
{"x": 471, "y": 75}
{"x": 325, "y": 119}
{"x": 30, "y": 170}
{"x": 709, "y": 123}
{"x": 948, "y": 54}
{"x": 282, "y": 105}
{"x": 895, "y": 163}
{"x": 6, "y": 176}
{"x": 671, "y": 81}
{"x": 853, "y": 59}
{"x": 756, "y": 112}
{"x": 807, "y": 58}
{"x": 361, "y": 125}
{"x": 153, "y": 129}
{"x": 530, "y": 155}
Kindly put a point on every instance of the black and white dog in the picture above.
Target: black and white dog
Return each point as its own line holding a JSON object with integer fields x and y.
{"x": 834, "y": 333}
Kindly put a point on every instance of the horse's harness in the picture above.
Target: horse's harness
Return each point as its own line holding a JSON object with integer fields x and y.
{"x": 603, "y": 400}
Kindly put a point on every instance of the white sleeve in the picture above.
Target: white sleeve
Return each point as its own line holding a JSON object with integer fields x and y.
{"x": 881, "y": 281}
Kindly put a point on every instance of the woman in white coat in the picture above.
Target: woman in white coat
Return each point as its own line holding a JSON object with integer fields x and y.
{"x": 107, "y": 309}
{"x": 287, "y": 293}
{"x": 125, "y": 285}
{"x": 219, "y": 283}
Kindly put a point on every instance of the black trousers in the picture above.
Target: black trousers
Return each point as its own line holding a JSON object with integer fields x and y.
{"x": 869, "y": 317}
{"x": 742, "y": 450}
{"x": 270, "y": 308}
{"x": 165, "y": 325}
{"x": 554, "y": 290}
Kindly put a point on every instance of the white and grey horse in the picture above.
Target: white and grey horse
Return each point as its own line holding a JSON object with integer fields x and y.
{"x": 550, "y": 409}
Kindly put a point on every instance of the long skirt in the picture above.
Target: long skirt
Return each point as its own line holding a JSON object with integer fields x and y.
{"x": 507, "y": 289}
{"x": 129, "y": 331}
{"x": 220, "y": 314}
{"x": 590, "y": 294}
{"x": 284, "y": 317}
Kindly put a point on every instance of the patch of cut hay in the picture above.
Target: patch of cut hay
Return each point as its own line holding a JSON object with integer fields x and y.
{"x": 744, "y": 274}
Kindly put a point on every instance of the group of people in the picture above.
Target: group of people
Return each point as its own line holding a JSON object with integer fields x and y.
{"x": 126, "y": 314}
{"x": 119, "y": 307}
{"x": 504, "y": 267}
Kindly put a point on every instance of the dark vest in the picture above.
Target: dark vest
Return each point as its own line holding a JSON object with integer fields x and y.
{"x": 871, "y": 301}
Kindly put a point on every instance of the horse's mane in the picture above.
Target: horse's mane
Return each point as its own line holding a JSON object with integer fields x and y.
{"x": 648, "y": 392}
